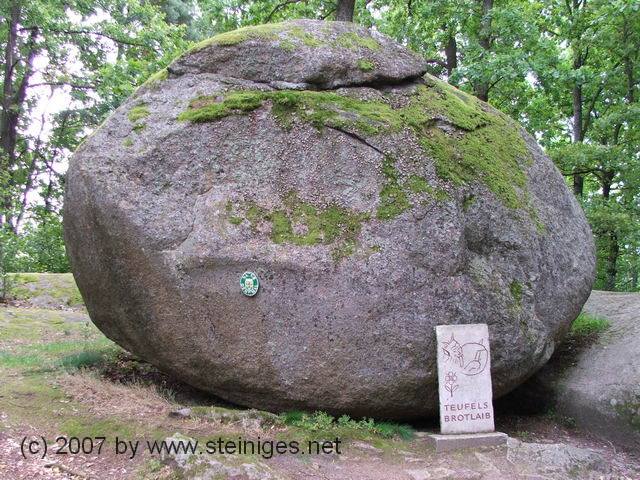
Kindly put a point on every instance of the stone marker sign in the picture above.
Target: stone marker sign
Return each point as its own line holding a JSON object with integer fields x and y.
{"x": 464, "y": 379}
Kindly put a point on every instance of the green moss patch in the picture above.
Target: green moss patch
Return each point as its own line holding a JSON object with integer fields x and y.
{"x": 304, "y": 224}
{"x": 629, "y": 410}
{"x": 483, "y": 145}
{"x": 396, "y": 192}
{"x": 353, "y": 41}
{"x": 468, "y": 202}
{"x": 437, "y": 100}
{"x": 267, "y": 31}
{"x": 365, "y": 65}
{"x": 320, "y": 108}
{"x": 290, "y": 36}
{"x": 516, "y": 292}
{"x": 208, "y": 109}
{"x": 156, "y": 78}
{"x": 393, "y": 197}
{"x": 137, "y": 113}
{"x": 306, "y": 38}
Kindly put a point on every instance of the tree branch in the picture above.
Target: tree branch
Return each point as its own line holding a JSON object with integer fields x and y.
{"x": 280, "y": 6}
{"x": 437, "y": 61}
{"x": 99, "y": 34}
{"x": 328, "y": 14}
{"x": 61, "y": 84}
{"x": 582, "y": 172}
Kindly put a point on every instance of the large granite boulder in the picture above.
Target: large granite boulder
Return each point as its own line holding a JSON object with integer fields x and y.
{"x": 372, "y": 201}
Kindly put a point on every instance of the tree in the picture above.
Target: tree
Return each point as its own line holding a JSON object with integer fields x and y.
{"x": 90, "y": 55}
{"x": 344, "y": 10}
{"x": 599, "y": 81}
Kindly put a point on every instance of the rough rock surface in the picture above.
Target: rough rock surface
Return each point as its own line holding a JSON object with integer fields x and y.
{"x": 598, "y": 386}
{"x": 515, "y": 461}
{"x": 306, "y": 54}
{"x": 370, "y": 213}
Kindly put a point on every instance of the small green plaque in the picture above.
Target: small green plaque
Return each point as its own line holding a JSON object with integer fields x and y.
{"x": 249, "y": 284}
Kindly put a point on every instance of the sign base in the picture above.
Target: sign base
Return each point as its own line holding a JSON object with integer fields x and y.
{"x": 447, "y": 443}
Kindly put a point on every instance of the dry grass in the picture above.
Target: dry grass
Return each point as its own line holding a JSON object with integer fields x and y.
{"x": 106, "y": 398}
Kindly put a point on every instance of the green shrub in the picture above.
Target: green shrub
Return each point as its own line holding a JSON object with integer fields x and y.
{"x": 323, "y": 422}
{"x": 37, "y": 248}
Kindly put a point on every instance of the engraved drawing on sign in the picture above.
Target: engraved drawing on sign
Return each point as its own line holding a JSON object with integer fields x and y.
{"x": 470, "y": 358}
{"x": 451, "y": 383}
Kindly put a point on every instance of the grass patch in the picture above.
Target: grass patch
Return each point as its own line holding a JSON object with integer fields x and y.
{"x": 19, "y": 360}
{"x": 562, "y": 420}
{"x": 95, "y": 427}
{"x": 87, "y": 358}
{"x": 90, "y": 349}
{"x": 324, "y": 424}
{"x": 61, "y": 287}
{"x": 21, "y": 325}
{"x": 586, "y": 325}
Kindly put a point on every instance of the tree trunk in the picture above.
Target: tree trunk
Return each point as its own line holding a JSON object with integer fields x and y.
{"x": 451, "y": 53}
{"x": 612, "y": 262}
{"x": 577, "y": 124}
{"x": 9, "y": 114}
{"x": 578, "y": 134}
{"x": 14, "y": 94}
{"x": 578, "y": 184}
{"x": 344, "y": 10}
{"x": 613, "y": 250}
{"x": 8, "y": 118}
{"x": 607, "y": 180}
{"x": 481, "y": 89}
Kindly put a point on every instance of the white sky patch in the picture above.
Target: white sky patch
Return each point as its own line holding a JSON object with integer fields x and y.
{"x": 49, "y": 100}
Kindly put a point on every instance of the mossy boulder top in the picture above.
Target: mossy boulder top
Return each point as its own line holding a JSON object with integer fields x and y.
{"x": 304, "y": 53}
{"x": 371, "y": 201}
